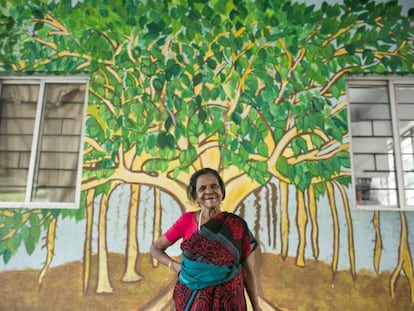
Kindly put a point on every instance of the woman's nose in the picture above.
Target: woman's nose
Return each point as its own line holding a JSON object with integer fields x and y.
{"x": 211, "y": 189}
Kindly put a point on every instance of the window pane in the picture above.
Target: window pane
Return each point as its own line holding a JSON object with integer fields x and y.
{"x": 18, "y": 104}
{"x": 373, "y": 146}
{"x": 405, "y": 104}
{"x": 58, "y": 147}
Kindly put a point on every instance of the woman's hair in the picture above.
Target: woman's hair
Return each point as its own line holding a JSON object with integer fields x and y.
{"x": 192, "y": 190}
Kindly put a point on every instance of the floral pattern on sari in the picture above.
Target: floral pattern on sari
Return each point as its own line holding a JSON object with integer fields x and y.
{"x": 223, "y": 240}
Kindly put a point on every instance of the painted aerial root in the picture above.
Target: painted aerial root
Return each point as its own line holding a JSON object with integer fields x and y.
{"x": 50, "y": 247}
{"x": 87, "y": 249}
{"x": 301, "y": 221}
{"x": 405, "y": 263}
{"x": 351, "y": 246}
{"x": 284, "y": 218}
{"x": 378, "y": 240}
{"x": 313, "y": 214}
{"x": 335, "y": 224}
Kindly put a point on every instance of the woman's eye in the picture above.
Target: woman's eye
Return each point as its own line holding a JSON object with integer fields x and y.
{"x": 213, "y": 187}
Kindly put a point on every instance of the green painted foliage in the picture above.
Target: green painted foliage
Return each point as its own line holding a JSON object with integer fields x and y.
{"x": 255, "y": 77}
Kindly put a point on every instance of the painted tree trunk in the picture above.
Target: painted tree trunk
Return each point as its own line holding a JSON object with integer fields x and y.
{"x": 103, "y": 284}
{"x": 132, "y": 248}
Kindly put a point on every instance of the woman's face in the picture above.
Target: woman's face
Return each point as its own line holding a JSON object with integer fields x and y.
{"x": 208, "y": 191}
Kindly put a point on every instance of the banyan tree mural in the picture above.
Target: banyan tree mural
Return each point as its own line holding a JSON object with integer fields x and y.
{"x": 255, "y": 89}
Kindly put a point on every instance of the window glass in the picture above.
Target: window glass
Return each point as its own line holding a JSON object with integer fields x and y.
{"x": 373, "y": 146}
{"x": 18, "y": 104}
{"x": 58, "y": 146}
{"x": 405, "y": 105}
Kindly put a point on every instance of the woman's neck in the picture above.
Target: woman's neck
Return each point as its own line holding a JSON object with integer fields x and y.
{"x": 209, "y": 213}
{"x": 206, "y": 214}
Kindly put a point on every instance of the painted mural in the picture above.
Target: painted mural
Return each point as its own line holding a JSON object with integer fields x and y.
{"x": 254, "y": 89}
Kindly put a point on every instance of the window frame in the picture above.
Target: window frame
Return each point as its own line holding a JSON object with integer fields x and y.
{"x": 35, "y": 154}
{"x": 390, "y": 83}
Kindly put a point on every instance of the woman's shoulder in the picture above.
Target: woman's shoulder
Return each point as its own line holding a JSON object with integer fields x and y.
{"x": 233, "y": 216}
{"x": 187, "y": 216}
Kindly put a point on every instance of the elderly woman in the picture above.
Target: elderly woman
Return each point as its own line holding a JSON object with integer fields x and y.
{"x": 216, "y": 264}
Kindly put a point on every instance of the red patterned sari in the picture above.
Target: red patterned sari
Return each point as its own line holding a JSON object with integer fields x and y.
{"x": 222, "y": 244}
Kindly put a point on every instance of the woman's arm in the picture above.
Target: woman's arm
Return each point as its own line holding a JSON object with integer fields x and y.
{"x": 158, "y": 252}
{"x": 250, "y": 283}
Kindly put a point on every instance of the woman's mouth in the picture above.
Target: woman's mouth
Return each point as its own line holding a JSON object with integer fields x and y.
{"x": 210, "y": 199}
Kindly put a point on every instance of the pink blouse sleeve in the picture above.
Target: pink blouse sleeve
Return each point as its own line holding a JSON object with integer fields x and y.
{"x": 183, "y": 228}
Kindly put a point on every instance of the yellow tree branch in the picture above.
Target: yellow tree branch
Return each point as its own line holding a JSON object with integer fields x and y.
{"x": 94, "y": 145}
{"x": 25, "y": 217}
{"x": 316, "y": 155}
{"x": 339, "y": 74}
{"x": 94, "y": 110}
{"x": 50, "y": 20}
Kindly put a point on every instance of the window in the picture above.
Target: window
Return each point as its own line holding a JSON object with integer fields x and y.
{"x": 381, "y": 118}
{"x": 41, "y": 127}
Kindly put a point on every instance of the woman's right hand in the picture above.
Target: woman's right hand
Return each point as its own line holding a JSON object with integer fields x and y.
{"x": 176, "y": 266}
{"x": 158, "y": 251}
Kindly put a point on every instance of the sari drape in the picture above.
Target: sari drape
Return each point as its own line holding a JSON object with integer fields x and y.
{"x": 210, "y": 277}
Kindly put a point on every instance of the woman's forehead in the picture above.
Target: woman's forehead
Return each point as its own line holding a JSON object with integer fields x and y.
{"x": 207, "y": 179}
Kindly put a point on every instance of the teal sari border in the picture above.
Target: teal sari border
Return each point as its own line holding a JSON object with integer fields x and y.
{"x": 198, "y": 275}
